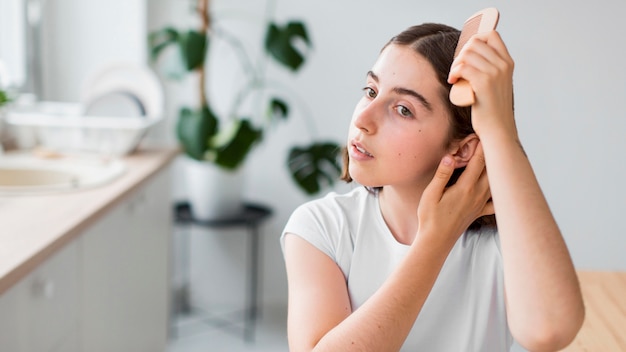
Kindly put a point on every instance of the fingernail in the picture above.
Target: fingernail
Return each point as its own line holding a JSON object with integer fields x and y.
{"x": 447, "y": 160}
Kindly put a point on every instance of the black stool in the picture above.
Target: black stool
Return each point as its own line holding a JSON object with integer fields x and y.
{"x": 251, "y": 216}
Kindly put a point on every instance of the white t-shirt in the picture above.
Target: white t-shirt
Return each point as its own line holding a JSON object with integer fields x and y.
{"x": 465, "y": 310}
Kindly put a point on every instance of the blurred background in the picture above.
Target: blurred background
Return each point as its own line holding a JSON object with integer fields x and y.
{"x": 568, "y": 79}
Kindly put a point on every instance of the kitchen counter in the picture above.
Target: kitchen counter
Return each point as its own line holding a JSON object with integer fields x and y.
{"x": 604, "y": 329}
{"x": 32, "y": 228}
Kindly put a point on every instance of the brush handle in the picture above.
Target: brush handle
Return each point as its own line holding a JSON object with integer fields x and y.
{"x": 485, "y": 20}
{"x": 461, "y": 93}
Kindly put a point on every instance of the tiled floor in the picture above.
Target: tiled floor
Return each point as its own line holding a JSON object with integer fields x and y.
{"x": 193, "y": 335}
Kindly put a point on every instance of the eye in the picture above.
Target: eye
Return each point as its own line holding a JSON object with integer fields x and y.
{"x": 404, "y": 111}
{"x": 369, "y": 92}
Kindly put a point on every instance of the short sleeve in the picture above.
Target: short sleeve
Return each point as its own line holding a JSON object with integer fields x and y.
{"x": 312, "y": 223}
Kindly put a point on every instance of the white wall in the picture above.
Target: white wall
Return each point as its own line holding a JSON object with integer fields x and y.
{"x": 569, "y": 88}
{"x": 81, "y": 36}
{"x": 569, "y": 83}
{"x": 12, "y": 50}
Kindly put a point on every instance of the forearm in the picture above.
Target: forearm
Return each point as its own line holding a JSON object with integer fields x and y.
{"x": 542, "y": 289}
{"x": 384, "y": 321}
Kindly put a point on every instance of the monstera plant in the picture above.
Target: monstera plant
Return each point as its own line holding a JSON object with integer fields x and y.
{"x": 227, "y": 140}
{"x": 4, "y": 97}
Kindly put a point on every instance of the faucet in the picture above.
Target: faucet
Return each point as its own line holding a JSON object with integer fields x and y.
{"x": 3, "y": 100}
{"x": 34, "y": 11}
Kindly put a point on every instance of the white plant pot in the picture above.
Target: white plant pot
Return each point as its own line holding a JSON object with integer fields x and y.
{"x": 213, "y": 192}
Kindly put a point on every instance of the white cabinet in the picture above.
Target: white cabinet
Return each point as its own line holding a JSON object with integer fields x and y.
{"x": 40, "y": 313}
{"x": 107, "y": 290}
{"x": 124, "y": 278}
{"x": 9, "y": 320}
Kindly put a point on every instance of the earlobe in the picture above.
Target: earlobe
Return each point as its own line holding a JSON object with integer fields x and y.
{"x": 465, "y": 150}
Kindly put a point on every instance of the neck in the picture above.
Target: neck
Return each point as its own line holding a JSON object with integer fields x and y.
{"x": 399, "y": 209}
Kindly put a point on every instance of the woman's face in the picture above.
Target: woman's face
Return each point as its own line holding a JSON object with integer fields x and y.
{"x": 399, "y": 129}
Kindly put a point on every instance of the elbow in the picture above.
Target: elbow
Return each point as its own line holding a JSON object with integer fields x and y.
{"x": 545, "y": 341}
{"x": 552, "y": 335}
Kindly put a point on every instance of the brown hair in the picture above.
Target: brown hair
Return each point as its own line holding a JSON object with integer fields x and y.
{"x": 436, "y": 43}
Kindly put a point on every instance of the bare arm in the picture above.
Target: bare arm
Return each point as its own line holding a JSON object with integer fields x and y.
{"x": 320, "y": 316}
{"x": 544, "y": 302}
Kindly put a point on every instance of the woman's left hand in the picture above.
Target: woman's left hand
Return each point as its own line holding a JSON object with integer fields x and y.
{"x": 449, "y": 211}
{"x": 487, "y": 65}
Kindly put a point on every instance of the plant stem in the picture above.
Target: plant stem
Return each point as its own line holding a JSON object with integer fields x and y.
{"x": 270, "y": 8}
{"x": 247, "y": 66}
{"x": 203, "y": 11}
{"x": 309, "y": 119}
{"x": 257, "y": 73}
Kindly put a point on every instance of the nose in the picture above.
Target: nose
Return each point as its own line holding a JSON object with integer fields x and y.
{"x": 365, "y": 117}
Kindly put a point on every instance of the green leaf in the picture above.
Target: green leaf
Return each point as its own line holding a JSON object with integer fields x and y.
{"x": 193, "y": 46}
{"x": 159, "y": 40}
{"x": 279, "y": 43}
{"x": 315, "y": 166}
{"x": 278, "y": 108}
{"x": 194, "y": 129}
{"x": 4, "y": 98}
{"x": 231, "y": 154}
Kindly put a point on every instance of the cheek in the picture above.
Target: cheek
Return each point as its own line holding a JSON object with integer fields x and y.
{"x": 423, "y": 150}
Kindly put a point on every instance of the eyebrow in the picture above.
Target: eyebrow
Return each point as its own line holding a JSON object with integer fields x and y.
{"x": 405, "y": 91}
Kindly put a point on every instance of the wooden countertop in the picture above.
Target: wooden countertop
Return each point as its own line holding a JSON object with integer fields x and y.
{"x": 604, "y": 328}
{"x": 34, "y": 227}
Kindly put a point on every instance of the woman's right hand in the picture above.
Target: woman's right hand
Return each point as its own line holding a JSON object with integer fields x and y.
{"x": 486, "y": 64}
{"x": 446, "y": 212}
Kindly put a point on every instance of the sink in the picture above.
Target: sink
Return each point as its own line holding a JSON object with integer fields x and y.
{"x": 26, "y": 173}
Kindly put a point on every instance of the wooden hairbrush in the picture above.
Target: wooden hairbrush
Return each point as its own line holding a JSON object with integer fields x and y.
{"x": 482, "y": 21}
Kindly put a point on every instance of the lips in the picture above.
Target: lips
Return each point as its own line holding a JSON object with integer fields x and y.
{"x": 359, "y": 151}
{"x": 363, "y": 151}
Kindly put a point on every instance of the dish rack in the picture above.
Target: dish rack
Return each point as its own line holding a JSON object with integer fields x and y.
{"x": 62, "y": 127}
{"x": 119, "y": 104}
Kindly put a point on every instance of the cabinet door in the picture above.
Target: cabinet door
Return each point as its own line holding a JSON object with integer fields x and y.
{"x": 10, "y": 320}
{"x": 40, "y": 313}
{"x": 125, "y": 273}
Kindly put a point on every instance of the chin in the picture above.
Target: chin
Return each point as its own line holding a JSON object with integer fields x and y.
{"x": 365, "y": 181}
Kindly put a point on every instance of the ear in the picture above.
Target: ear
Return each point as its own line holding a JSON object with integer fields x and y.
{"x": 463, "y": 150}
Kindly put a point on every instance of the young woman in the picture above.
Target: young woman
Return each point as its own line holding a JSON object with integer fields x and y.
{"x": 413, "y": 260}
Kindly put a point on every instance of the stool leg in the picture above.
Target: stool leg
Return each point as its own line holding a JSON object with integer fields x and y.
{"x": 185, "y": 304}
{"x": 180, "y": 298}
{"x": 253, "y": 272}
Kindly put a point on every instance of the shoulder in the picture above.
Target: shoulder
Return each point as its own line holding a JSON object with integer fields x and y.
{"x": 324, "y": 222}
{"x": 334, "y": 205}
{"x": 352, "y": 197}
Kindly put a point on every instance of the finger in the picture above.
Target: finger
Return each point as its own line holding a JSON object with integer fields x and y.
{"x": 455, "y": 74}
{"x": 472, "y": 57}
{"x": 488, "y": 44}
{"x": 481, "y": 58}
{"x": 482, "y": 185}
{"x": 488, "y": 209}
{"x": 473, "y": 69}
{"x": 435, "y": 188}
{"x": 494, "y": 40}
{"x": 482, "y": 52}
{"x": 475, "y": 167}
{"x": 483, "y": 194}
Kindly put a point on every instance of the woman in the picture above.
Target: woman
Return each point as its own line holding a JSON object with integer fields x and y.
{"x": 412, "y": 261}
